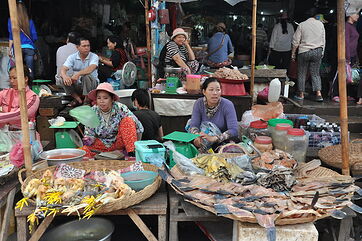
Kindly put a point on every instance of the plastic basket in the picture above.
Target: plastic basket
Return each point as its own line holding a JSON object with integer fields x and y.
{"x": 231, "y": 87}
{"x": 312, "y": 118}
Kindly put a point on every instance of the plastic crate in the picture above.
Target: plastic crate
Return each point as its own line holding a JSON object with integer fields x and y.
{"x": 312, "y": 118}
{"x": 150, "y": 151}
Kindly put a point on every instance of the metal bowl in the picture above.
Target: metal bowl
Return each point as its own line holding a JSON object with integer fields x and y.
{"x": 92, "y": 229}
{"x": 58, "y": 156}
{"x": 172, "y": 70}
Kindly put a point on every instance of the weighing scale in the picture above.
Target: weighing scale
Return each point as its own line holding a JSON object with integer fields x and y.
{"x": 38, "y": 84}
{"x": 183, "y": 145}
{"x": 66, "y": 136}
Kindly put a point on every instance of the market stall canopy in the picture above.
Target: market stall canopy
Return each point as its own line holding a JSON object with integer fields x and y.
{"x": 233, "y": 2}
{"x": 180, "y": 1}
{"x": 352, "y": 6}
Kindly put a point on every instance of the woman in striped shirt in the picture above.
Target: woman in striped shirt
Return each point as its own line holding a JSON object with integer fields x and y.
{"x": 179, "y": 53}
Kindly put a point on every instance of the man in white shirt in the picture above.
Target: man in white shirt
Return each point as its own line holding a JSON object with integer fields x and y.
{"x": 83, "y": 76}
{"x": 310, "y": 40}
{"x": 63, "y": 53}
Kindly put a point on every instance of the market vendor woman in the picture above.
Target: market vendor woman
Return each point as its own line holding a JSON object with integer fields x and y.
{"x": 213, "y": 117}
{"x": 10, "y": 101}
{"x": 118, "y": 125}
{"x": 179, "y": 54}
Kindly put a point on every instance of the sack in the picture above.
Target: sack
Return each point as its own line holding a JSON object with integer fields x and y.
{"x": 348, "y": 74}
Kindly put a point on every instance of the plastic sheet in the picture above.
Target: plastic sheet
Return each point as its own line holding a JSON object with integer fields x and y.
{"x": 85, "y": 115}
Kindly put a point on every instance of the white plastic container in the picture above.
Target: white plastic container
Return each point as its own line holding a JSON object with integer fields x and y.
{"x": 274, "y": 90}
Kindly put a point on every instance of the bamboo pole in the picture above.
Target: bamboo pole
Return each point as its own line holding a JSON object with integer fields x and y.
{"x": 148, "y": 37}
{"x": 21, "y": 85}
{"x": 342, "y": 85}
{"x": 253, "y": 48}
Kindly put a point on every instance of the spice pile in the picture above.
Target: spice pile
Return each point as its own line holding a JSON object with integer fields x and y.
{"x": 227, "y": 73}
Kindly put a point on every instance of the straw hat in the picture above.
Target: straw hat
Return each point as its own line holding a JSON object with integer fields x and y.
{"x": 179, "y": 31}
{"x": 105, "y": 87}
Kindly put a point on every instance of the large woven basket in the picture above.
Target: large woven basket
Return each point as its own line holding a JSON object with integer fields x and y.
{"x": 332, "y": 155}
{"x": 100, "y": 165}
{"x": 320, "y": 171}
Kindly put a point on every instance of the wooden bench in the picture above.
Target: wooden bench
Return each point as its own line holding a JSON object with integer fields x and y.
{"x": 155, "y": 205}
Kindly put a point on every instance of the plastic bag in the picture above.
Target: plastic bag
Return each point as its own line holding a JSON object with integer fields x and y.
{"x": 85, "y": 115}
{"x": 185, "y": 164}
{"x": 5, "y": 142}
{"x": 17, "y": 154}
{"x": 247, "y": 118}
{"x": 59, "y": 121}
{"x": 270, "y": 111}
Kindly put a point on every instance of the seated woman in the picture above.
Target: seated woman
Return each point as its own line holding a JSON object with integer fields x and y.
{"x": 117, "y": 60}
{"x": 10, "y": 101}
{"x": 118, "y": 125}
{"x": 219, "y": 47}
{"x": 178, "y": 53}
{"x": 213, "y": 117}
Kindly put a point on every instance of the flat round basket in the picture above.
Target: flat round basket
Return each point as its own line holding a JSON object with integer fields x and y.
{"x": 100, "y": 165}
{"x": 332, "y": 155}
{"x": 319, "y": 171}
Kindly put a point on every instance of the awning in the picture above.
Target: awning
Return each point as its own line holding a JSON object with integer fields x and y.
{"x": 233, "y": 2}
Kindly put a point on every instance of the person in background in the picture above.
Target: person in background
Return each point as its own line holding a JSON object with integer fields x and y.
{"x": 352, "y": 36}
{"x": 64, "y": 52}
{"x": 309, "y": 39}
{"x": 83, "y": 76}
{"x": 28, "y": 36}
{"x": 150, "y": 120}
{"x": 219, "y": 47}
{"x": 179, "y": 54}
{"x": 261, "y": 41}
{"x": 118, "y": 125}
{"x": 117, "y": 60}
{"x": 213, "y": 117}
{"x": 10, "y": 101}
{"x": 280, "y": 45}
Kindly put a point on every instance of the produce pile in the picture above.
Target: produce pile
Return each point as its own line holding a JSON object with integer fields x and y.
{"x": 71, "y": 190}
{"x": 227, "y": 73}
{"x": 270, "y": 159}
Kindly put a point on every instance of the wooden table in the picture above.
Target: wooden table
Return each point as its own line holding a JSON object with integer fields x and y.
{"x": 155, "y": 205}
{"x": 7, "y": 193}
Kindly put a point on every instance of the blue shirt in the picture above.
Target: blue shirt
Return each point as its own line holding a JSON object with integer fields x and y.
{"x": 222, "y": 54}
{"x": 75, "y": 63}
{"x": 26, "y": 43}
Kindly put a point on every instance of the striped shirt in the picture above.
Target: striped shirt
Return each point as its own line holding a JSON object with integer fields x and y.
{"x": 172, "y": 49}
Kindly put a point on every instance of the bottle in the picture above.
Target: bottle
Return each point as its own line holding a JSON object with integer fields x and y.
{"x": 274, "y": 90}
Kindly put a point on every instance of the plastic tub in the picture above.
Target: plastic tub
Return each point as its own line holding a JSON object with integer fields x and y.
{"x": 258, "y": 128}
{"x": 280, "y": 134}
{"x": 297, "y": 144}
{"x": 150, "y": 151}
{"x": 139, "y": 180}
{"x": 273, "y": 122}
{"x": 193, "y": 83}
{"x": 231, "y": 87}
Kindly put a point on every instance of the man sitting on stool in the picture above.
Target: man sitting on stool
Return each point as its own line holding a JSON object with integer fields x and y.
{"x": 84, "y": 76}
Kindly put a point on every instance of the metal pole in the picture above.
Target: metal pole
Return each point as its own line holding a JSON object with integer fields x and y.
{"x": 253, "y": 48}
{"x": 148, "y": 37}
{"x": 21, "y": 85}
{"x": 341, "y": 40}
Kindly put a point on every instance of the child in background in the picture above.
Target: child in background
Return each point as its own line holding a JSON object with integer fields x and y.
{"x": 150, "y": 120}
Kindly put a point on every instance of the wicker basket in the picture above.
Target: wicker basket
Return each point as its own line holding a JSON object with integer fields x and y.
{"x": 319, "y": 171}
{"x": 332, "y": 155}
{"x": 100, "y": 165}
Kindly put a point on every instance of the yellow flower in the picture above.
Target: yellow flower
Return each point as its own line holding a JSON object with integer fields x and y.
{"x": 20, "y": 204}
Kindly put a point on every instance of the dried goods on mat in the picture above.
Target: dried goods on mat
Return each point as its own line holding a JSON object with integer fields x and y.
{"x": 227, "y": 73}
{"x": 72, "y": 190}
{"x": 270, "y": 159}
{"x": 310, "y": 199}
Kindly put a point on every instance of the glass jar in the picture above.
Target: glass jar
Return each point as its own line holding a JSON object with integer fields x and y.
{"x": 258, "y": 128}
{"x": 263, "y": 143}
{"x": 297, "y": 144}
{"x": 272, "y": 123}
{"x": 280, "y": 134}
